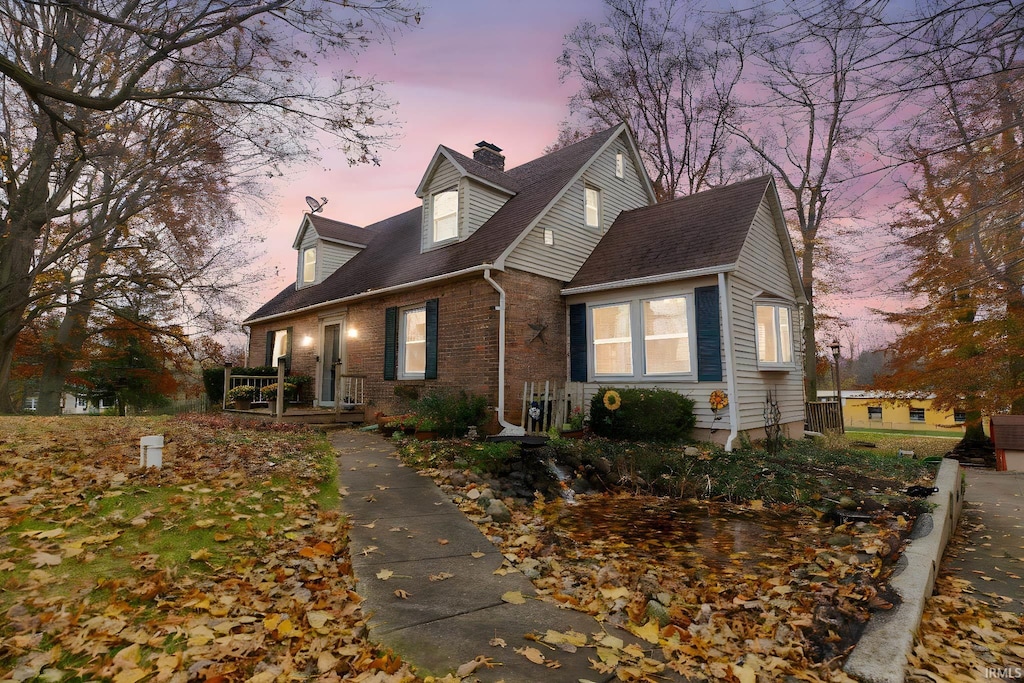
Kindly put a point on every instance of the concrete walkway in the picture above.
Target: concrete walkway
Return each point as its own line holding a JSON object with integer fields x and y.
{"x": 407, "y": 529}
{"x": 993, "y": 523}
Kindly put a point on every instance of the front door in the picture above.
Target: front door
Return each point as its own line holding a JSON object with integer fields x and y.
{"x": 330, "y": 354}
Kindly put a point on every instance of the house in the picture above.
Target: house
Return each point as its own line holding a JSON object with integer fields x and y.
{"x": 563, "y": 268}
{"x": 878, "y": 410}
{"x": 1008, "y": 437}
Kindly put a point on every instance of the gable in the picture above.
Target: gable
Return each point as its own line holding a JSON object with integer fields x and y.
{"x": 560, "y": 241}
{"x": 767, "y": 258}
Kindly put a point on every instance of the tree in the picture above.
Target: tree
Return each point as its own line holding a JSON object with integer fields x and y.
{"x": 671, "y": 73}
{"x": 74, "y": 73}
{"x": 963, "y": 232}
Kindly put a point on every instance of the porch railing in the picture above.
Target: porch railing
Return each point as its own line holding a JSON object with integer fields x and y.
{"x": 349, "y": 392}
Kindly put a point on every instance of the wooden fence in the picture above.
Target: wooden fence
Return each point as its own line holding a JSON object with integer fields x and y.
{"x": 548, "y": 404}
{"x": 824, "y": 416}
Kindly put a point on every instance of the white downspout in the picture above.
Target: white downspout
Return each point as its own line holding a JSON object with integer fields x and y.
{"x": 508, "y": 429}
{"x": 730, "y": 367}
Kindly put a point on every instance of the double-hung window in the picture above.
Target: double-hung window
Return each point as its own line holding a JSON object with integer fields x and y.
{"x": 774, "y": 324}
{"x": 592, "y": 207}
{"x": 413, "y": 352}
{"x": 917, "y": 414}
{"x": 642, "y": 338}
{"x": 278, "y": 346}
{"x": 309, "y": 265}
{"x": 874, "y": 412}
{"x": 445, "y": 210}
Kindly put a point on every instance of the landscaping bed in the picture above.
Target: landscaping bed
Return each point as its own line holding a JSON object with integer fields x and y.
{"x": 730, "y": 564}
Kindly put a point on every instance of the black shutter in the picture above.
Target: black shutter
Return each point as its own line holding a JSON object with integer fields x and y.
{"x": 709, "y": 335}
{"x": 430, "y": 368}
{"x": 269, "y": 354}
{"x": 288, "y": 351}
{"x": 390, "y": 342}
{"x": 578, "y": 343}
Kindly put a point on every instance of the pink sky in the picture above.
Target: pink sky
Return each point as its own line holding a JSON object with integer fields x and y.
{"x": 473, "y": 70}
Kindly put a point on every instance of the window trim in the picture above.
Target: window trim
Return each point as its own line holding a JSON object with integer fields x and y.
{"x": 587, "y": 190}
{"x": 638, "y": 339}
{"x": 960, "y": 416}
{"x": 877, "y": 411}
{"x": 308, "y": 266}
{"x": 775, "y": 305}
{"x": 921, "y": 411}
{"x": 403, "y": 317}
{"x": 434, "y": 218}
{"x": 620, "y": 165}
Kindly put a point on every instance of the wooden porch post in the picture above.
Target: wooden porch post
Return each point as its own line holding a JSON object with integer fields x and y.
{"x": 227, "y": 384}
{"x": 280, "y": 388}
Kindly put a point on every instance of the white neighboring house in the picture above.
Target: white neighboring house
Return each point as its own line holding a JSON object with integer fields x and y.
{"x": 70, "y": 405}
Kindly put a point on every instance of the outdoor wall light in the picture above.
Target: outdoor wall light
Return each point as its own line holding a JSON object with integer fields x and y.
{"x": 307, "y": 340}
{"x": 353, "y": 333}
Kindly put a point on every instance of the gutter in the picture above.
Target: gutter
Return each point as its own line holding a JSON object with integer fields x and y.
{"x": 508, "y": 429}
{"x": 649, "y": 279}
{"x": 723, "y": 287}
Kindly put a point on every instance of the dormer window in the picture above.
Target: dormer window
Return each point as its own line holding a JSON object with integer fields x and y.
{"x": 309, "y": 265}
{"x": 592, "y": 207}
{"x": 446, "y": 215}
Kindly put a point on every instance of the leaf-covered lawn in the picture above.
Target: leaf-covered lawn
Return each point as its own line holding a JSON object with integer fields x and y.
{"x": 229, "y": 563}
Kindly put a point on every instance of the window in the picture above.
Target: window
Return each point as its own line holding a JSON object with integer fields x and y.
{"x": 309, "y": 264}
{"x": 874, "y": 412}
{"x": 666, "y": 337}
{"x": 613, "y": 341}
{"x": 917, "y": 414}
{"x": 81, "y": 402}
{"x": 592, "y": 202}
{"x": 774, "y": 335}
{"x": 619, "y": 166}
{"x": 410, "y": 341}
{"x": 278, "y": 344}
{"x": 549, "y": 236}
{"x": 32, "y": 403}
{"x": 446, "y": 215}
{"x": 642, "y": 338}
{"x": 413, "y": 353}
{"x": 959, "y": 416}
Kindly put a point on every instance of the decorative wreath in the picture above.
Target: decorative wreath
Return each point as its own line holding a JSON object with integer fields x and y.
{"x": 718, "y": 399}
{"x": 612, "y": 400}
{"x": 534, "y": 411}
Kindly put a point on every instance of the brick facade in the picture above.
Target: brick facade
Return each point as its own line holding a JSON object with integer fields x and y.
{"x": 467, "y": 339}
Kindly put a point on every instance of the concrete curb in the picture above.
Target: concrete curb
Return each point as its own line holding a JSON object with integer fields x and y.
{"x": 880, "y": 655}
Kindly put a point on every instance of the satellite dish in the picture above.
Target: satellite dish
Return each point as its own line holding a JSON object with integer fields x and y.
{"x": 314, "y": 205}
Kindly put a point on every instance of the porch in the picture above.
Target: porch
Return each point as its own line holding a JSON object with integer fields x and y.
{"x": 305, "y": 415}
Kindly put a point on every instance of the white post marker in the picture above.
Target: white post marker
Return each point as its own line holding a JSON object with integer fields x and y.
{"x": 151, "y": 451}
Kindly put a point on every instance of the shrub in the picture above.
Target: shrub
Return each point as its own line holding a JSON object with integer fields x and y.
{"x": 213, "y": 382}
{"x": 270, "y": 391}
{"x": 453, "y": 413}
{"x": 242, "y": 391}
{"x": 641, "y": 414}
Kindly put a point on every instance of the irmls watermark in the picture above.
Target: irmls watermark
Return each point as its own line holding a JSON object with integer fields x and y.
{"x": 1008, "y": 673}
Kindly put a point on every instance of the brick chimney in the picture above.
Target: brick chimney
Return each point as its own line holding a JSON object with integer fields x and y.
{"x": 489, "y": 155}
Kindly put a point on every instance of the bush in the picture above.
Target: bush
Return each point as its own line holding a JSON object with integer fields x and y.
{"x": 452, "y": 413}
{"x": 242, "y": 391}
{"x": 213, "y": 381}
{"x": 641, "y": 414}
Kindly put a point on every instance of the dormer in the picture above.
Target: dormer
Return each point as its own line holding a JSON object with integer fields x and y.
{"x": 459, "y": 194}
{"x": 323, "y": 246}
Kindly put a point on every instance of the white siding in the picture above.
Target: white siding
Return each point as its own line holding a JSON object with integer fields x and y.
{"x": 309, "y": 239}
{"x": 481, "y": 203}
{"x": 330, "y": 257}
{"x": 573, "y": 241}
{"x": 762, "y": 268}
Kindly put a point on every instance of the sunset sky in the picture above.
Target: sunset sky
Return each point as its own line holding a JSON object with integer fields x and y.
{"x": 472, "y": 70}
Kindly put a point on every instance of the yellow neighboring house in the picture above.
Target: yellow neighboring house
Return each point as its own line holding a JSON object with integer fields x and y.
{"x": 870, "y": 410}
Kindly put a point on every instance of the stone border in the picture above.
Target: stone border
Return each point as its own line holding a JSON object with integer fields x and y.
{"x": 880, "y": 655}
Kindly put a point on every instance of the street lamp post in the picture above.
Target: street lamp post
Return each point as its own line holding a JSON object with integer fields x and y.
{"x": 836, "y": 348}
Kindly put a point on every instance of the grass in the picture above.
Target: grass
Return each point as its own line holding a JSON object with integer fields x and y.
{"x": 95, "y": 551}
{"x": 889, "y": 442}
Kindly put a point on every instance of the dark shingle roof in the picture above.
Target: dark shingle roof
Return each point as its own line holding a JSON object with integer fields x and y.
{"x": 336, "y": 230}
{"x": 704, "y": 230}
{"x": 393, "y": 256}
{"x": 483, "y": 171}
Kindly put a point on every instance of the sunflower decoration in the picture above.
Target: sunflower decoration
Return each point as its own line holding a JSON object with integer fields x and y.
{"x": 612, "y": 400}
{"x": 718, "y": 400}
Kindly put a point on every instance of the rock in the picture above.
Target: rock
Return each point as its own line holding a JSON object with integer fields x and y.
{"x": 486, "y": 496}
{"x": 607, "y": 575}
{"x": 581, "y": 485}
{"x": 603, "y": 465}
{"x": 658, "y": 612}
{"x": 648, "y": 585}
{"x": 847, "y": 503}
{"x": 473, "y": 494}
{"x": 498, "y": 511}
{"x": 691, "y": 451}
{"x": 840, "y": 540}
{"x": 473, "y": 478}
{"x": 457, "y": 479}
{"x": 664, "y": 598}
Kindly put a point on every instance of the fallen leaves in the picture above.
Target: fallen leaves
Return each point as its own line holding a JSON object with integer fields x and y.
{"x": 513, "y": 598}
